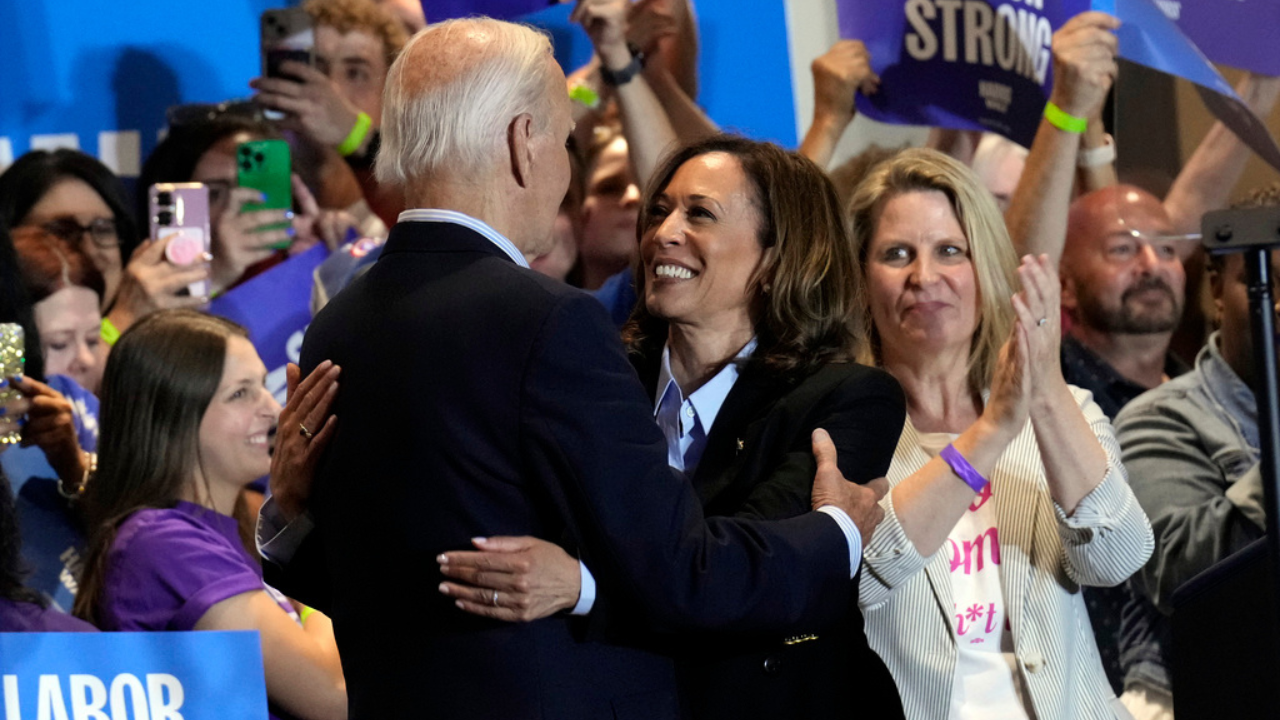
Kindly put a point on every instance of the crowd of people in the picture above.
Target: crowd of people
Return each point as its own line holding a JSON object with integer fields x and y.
{"x": 641, "y": 418}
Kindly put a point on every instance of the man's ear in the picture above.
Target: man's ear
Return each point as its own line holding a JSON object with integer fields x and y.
{"x": 1069, "y": 300}
{"x": 520, "y": 134}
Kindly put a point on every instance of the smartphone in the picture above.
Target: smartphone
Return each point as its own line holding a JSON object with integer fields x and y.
{"x": 284, "y": 34}
{"x": 180, "y": 213}
{"x": 12, "y": 357}
{"x": 264, "y": 166}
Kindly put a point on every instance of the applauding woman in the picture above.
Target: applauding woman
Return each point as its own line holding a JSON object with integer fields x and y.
{"x": 186, "y": 425}
{"x": 1007, "y": 490}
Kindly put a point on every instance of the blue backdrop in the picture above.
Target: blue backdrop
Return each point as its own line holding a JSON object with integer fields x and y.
{"x": 75, "y": 69}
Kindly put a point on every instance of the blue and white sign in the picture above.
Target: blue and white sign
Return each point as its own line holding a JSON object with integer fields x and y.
{"x": 132, "y": 676}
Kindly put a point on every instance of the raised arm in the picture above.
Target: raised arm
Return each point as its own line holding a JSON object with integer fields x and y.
{"x": 837, "y": 75}
{"x": 644, "y": 122}
{"x": 1078, "y": 449}
{"x": 1209, "y": 176}
{"x": 1084, "y": 68}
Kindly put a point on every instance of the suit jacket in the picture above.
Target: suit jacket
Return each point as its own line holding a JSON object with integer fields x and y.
{"x": 1045, "y": 558}
{"x": 480, "y": 398}
{"x": 758, "y": 463}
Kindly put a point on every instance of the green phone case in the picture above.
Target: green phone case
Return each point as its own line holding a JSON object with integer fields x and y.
{"x": 264, "y": 166}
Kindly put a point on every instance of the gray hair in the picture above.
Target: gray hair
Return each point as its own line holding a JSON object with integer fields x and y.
{"x": 460, "y": 121}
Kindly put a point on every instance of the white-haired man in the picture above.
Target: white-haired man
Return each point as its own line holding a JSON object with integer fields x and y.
{"x": 479, "y": 398}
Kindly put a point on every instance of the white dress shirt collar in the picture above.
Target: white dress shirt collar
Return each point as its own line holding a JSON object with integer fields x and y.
{"x": 457, "y": 218}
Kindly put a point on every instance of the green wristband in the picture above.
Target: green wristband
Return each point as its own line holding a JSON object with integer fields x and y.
{"x": 109, "y": 332}
{"x": 306, "y": 613}
{"x": 585, "y": 96}
{"x": 1063, "y": 120}
{"x": 356, "y": 136}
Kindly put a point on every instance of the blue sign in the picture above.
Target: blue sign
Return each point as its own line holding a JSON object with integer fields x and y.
{"x": 128, "y": 676}
{"x": 1149, "y": 38}
{"x": 1239, "y": 33}
{"x": 276, "y": 308}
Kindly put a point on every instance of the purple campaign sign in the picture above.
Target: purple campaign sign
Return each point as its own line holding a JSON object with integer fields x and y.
{"x": 964, "y": 64}
{"x": 1239, "y": 33}
{"x": 987, "y": 65}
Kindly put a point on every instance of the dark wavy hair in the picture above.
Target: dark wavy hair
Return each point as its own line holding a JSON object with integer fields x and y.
{"x": 807, "y": 290}
{"x": 175, "y": 158}
{"x": 34, "y": 174}
{"x": 159, "y": 380}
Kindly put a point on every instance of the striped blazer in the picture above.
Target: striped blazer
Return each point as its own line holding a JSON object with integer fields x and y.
{"x": 1045, "y": 557}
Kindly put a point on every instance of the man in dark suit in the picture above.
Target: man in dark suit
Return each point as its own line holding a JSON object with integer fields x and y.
{"x": 480, "y": 398}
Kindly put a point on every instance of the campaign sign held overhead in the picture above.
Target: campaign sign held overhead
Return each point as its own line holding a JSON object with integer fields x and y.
{"x": 131, "y": 676}
{"x": 988, "y": 64}
{"x": 965, "y": 64}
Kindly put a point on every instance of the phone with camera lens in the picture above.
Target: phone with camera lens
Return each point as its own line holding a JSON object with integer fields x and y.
{"x": 285, "y": 34}
{"x": 265, "y": 166}
{"x": 180, "y": 219}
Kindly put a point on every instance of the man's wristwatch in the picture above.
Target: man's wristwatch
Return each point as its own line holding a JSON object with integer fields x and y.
{"x": 616, "y": 78}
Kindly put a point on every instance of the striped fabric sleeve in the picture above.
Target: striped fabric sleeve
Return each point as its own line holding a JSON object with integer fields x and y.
{"x": 1108, "y": 538}
{"x": 890, "y": 559}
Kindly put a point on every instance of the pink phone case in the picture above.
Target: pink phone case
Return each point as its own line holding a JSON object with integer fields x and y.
{"x": 180, "y": 218}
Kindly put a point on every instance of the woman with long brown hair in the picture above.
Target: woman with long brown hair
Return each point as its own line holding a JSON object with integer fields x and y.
{"x": 185, "y": 427}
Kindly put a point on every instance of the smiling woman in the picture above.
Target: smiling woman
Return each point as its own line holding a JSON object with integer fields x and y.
{"x": 185, "y": 428}
{"x": 744, "y": 340}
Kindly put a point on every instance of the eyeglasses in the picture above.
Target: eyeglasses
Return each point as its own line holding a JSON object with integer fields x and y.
{"x": 1158, "y": 237}
{"x": 101, "y": 230}
{"x": 219, "y": 191}
{"x": 200, "y": 113}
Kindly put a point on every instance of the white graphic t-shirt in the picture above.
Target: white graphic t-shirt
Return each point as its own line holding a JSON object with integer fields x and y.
{"x": 986, "y": 683}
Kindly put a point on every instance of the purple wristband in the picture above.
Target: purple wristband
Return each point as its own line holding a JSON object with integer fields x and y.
{"x": 961, "y": 467}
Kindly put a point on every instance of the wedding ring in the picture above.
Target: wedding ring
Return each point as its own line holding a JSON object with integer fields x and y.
{"x": 304, "y": 432}
{"x": 1042, "y": 321}
{"x": 494, "y": 600}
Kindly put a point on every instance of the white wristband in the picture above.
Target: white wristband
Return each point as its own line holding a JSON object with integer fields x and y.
{"x": 1096, "y": 157}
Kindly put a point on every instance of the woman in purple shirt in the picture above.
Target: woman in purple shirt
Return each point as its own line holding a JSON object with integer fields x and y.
{"x": 185, "y": 426}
